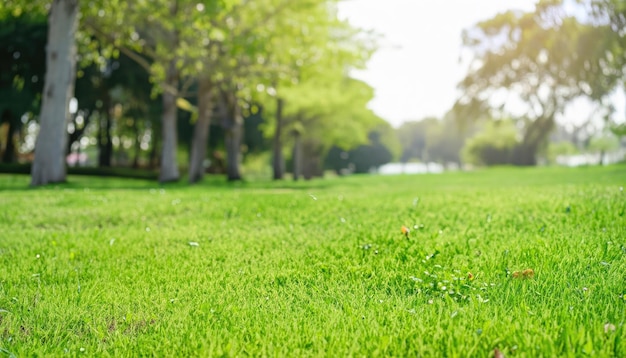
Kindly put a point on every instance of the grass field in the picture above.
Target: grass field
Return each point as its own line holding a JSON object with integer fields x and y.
{"x": 529, "y": 261}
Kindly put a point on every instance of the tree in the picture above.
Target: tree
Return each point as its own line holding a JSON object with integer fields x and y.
{"x": 619, "y": 130}
{"x": 338, "y": 115}
{"x": 561, "y": 148}
{"x": 432, "y": 139}
{"x": 546, "y": 59}
{"x": 602, "y": 144}
{"x": 413, "y": 137}
{"x": 278, "y": 160}
{"x": 232, "y": 122}
{"x": 49, "y": 163}
{"x": 167, "y": 45}
{"x": 613, "y": 12}
{"x": 494, "y": 145}
{"x": 371, "y": 156}
{"x": 243, "y": 40}
{"x": 445, "y": 141}
{"x": 304, "y": 67}
{"x": 201, "y": 130}
{"x": 61, "y": 57}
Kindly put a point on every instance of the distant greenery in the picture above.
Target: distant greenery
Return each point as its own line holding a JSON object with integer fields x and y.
{"x": 494, "y": 145}
{"x": 528, "y": 261}
{"x": 560, "y": 148}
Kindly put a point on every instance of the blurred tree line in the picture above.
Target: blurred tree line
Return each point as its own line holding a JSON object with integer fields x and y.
{"x": 173, "y": 84}
{"x": 205, "y": 85}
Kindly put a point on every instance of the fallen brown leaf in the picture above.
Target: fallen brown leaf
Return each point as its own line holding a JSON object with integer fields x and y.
{"x": 497, "y": 353}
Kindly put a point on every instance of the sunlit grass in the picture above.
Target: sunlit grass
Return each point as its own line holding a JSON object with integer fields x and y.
{"x": 126, "y": 267}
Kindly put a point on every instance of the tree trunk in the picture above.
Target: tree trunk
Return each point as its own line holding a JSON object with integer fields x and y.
{"x": 296, "y": 156}
{"x": 525, "y": 154}
{"x": 311, "y": 159}
{"x": 108, "y": 146}
{"x": 233, "y": 152}
{"x": 137, "y": 154}
{"x": 278, "y": 160}
{"x": 105, "y": 140}
{"x": 169, "y": 164}
{"x": 153, "y": 161}
{"x": 309, "y": 163}
{"x": 49, "y": 164}
{"x": 601, "y": 161}
{"x": 9, "y": 152}
{"x": 201, "y": 131}
{"x": 233, "y": 128}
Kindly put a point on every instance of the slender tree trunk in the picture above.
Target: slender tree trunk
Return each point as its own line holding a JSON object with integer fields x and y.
{"x": 308, "y": 165}
{"x": 601, "y": 161}
{"x": 100, "y": 138}
{"x": 153, "y": 161}
{"x": 169, "y": 164}
{"x": 108, "y": 146}
{"x": 201, "y": 131}
{"x": 135, "y": 164}
{"x": 296, "y": 155}
{"x": 233, "y": 152}
{"x": 278, "y": 160}
{"x": 49, "y": 164}
{"x": 9, "y": 152}
{"x": 233, "y": 128}
{"x": 77, "y": 162}
{"x": 312, "y": 160}
{"x": 105, "y": 139}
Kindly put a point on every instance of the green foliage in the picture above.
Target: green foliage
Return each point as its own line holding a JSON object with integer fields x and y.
{"x": 445, "y": 141}
{"x": 387, "y": 137}
{"x": 22, "y": 63}
{"x": 363, "y": 158}
{"x": 255, "y": 166}
{"x": 560, "y": 148}
{"x": 333, "y": 110}
{"x": 493, "y": 145}
{"x": 619, "y": 130}
{"x": 432, "y": 140}
{"x": 603, "y": 143}
{"x": 414, "y": 138}
{"x": 367, "y": 157}
{"x": 110, "y": 267}
{"x": 35, "y": 9}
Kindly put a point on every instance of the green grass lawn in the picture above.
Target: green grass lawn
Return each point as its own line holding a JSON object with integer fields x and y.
{"x": 111, "y": 267}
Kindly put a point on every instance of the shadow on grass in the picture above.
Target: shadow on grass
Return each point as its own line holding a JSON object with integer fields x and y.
{"x": 17, "y": 178}
{"x": 129, "y": 179}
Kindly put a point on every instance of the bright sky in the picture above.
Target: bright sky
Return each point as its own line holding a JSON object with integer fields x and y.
{"x": 416, "y": 71}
